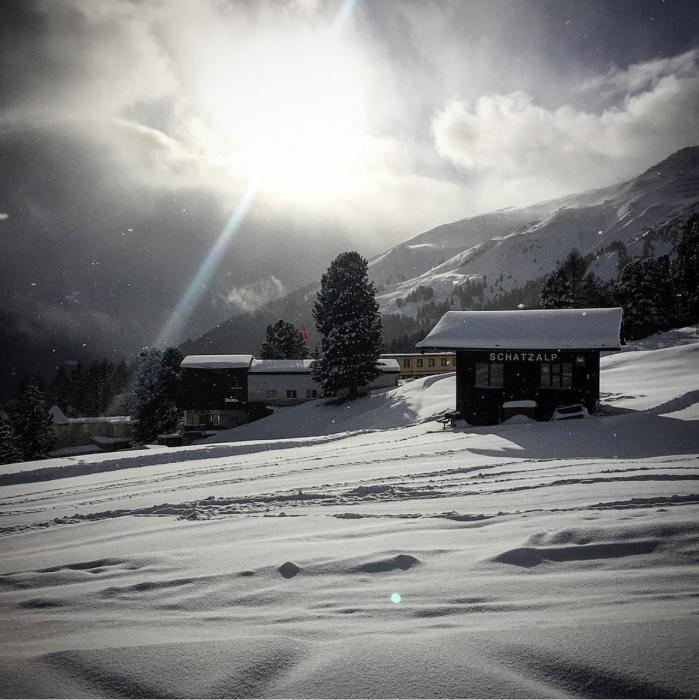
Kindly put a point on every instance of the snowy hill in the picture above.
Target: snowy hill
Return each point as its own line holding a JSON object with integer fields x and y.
{"x": 513, "y": 246}
{"x": 372, "y": 554}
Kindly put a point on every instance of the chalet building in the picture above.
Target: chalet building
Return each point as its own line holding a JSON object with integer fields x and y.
{"x": 416, "y": 364}
{"x": 215, "y": 391}
{"x": 528, "y": 361}
{"x": 222, "y": 391}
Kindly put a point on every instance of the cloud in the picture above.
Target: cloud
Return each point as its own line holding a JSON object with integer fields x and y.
{"x": 254, "y": 296}
{"x": 550, "y": 152}
{"x": 643, "y": 76}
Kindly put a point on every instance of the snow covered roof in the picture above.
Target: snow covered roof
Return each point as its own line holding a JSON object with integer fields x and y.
{"x": 217, "y": 361}
{"x": 304, "y": 366}
{"x": 556, "y": 329}
{"x": 388, "y": 365}
{"x": 280, "y": 366}
{"x": 60, "y": 418}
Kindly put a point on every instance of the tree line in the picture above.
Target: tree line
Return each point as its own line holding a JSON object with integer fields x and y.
{"x": 656, "y": 294}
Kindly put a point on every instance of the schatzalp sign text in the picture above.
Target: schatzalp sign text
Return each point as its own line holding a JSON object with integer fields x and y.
{"x": 523, "y": 356}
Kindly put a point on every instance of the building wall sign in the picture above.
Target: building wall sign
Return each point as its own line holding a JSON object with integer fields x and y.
{"x": 523, "y": 356}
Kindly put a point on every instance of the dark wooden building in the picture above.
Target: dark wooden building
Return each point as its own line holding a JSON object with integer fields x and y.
{"x": 215, "y": 390}
{"x": 528, "y": 361}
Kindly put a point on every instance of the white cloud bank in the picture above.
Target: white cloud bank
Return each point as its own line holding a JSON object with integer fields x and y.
{"x": 539, "y": 152}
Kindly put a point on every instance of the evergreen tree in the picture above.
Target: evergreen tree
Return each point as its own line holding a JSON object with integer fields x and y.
{"x": 169, "y": 387}
{"x": 571, "y": 286}
{"x": 645, "y": 290}
{"x": 60, "y": 388}
{"x": 32, "y": 422}
{"x": 347, "y": 317}
{"x": 9, "y": 450}
{"x": 283, "y": 341}
{"x": 156, "y": 388}
{"x": 686, "y": 271}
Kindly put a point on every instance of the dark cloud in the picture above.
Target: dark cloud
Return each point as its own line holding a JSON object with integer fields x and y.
{"x": 124, "y": 138}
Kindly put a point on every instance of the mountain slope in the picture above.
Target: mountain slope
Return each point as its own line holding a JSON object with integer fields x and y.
{"x": 502, "y": 251}
{"x": 508, "y": 248}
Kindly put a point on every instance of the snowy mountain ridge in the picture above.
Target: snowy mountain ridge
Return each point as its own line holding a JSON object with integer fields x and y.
{"x": 507, "y": 248}
{"x": 501, "y": 251}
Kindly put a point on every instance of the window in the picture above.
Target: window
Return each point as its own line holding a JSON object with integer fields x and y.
{"x": 453, "y": 362}
{"x": 291, "y": 393}
{"x": 311, "y": 393}
{"x": 430, "y": 362}
{"x": 556, "y": 375}
{"x": 419, "y": 362}
{"x": 445, "y": 362}
{"x": 489, "y": 374}
{"x": 406, "y": 363}
{"x": 270, "y": 393}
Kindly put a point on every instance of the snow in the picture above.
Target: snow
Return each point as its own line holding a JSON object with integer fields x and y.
{"x": 60, "y": 418}
{"x": 280, "y": 366}
{"x": 217, "y": 361}
{"x": 556, "y": 329}
{"x": 637, "y": 383}
{"x": 530, "y": 559}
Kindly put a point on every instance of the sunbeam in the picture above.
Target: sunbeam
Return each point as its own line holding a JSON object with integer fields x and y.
{"x": 199, "y": 284}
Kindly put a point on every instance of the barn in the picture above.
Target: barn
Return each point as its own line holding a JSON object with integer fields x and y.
{"x": 525, "y": 361}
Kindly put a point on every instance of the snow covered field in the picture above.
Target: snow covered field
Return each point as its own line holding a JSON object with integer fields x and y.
{"x": 360, "y": 550}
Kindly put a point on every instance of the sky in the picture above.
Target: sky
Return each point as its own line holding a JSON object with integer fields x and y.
{"x": 136, "y": 137}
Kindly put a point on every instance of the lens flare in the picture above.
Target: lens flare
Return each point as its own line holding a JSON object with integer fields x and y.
{"x": 199, "y": 284}
{"x": 395, "y": 598}
{"x": 173, "y": 328}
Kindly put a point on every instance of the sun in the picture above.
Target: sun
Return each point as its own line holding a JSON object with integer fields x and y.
{"x": 294, "y": 109}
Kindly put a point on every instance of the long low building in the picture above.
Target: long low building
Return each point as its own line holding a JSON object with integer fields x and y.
{"x": 526, "y": 361}
{"x": 222, "y": 391}
{"x": 422, "y": 364}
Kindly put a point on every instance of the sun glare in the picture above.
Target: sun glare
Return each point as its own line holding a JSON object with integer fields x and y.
{"x": 294, "y": 109}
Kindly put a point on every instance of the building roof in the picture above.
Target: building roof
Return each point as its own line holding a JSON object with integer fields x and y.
{"x": 281, "y": 366}
{"x": 545, "y": 329}
{"x": 304, "y": 366}
{"x": 217, "y": 361}
{"x": 388, "y": 364}
{"x": 60, "y": 418}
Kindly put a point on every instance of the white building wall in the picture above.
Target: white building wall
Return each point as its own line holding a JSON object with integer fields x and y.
{"x": 261, "y": 387}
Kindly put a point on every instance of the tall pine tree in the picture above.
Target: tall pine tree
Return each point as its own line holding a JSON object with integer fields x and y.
{"x": 646, "y": 293}
{"x": 347, "y": 317}
{"x": 32, "y": 422}
{"x": 9, "y": 449}
{"x": 571, "y": 286}
{"x": 156, "y": 389}
{"x": 283, "y": 341}
{"x": 687, "y": 271}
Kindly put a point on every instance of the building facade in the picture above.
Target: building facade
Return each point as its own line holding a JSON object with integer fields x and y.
{"x": 527, "y": 361}
{"x": 422, "y": 364}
